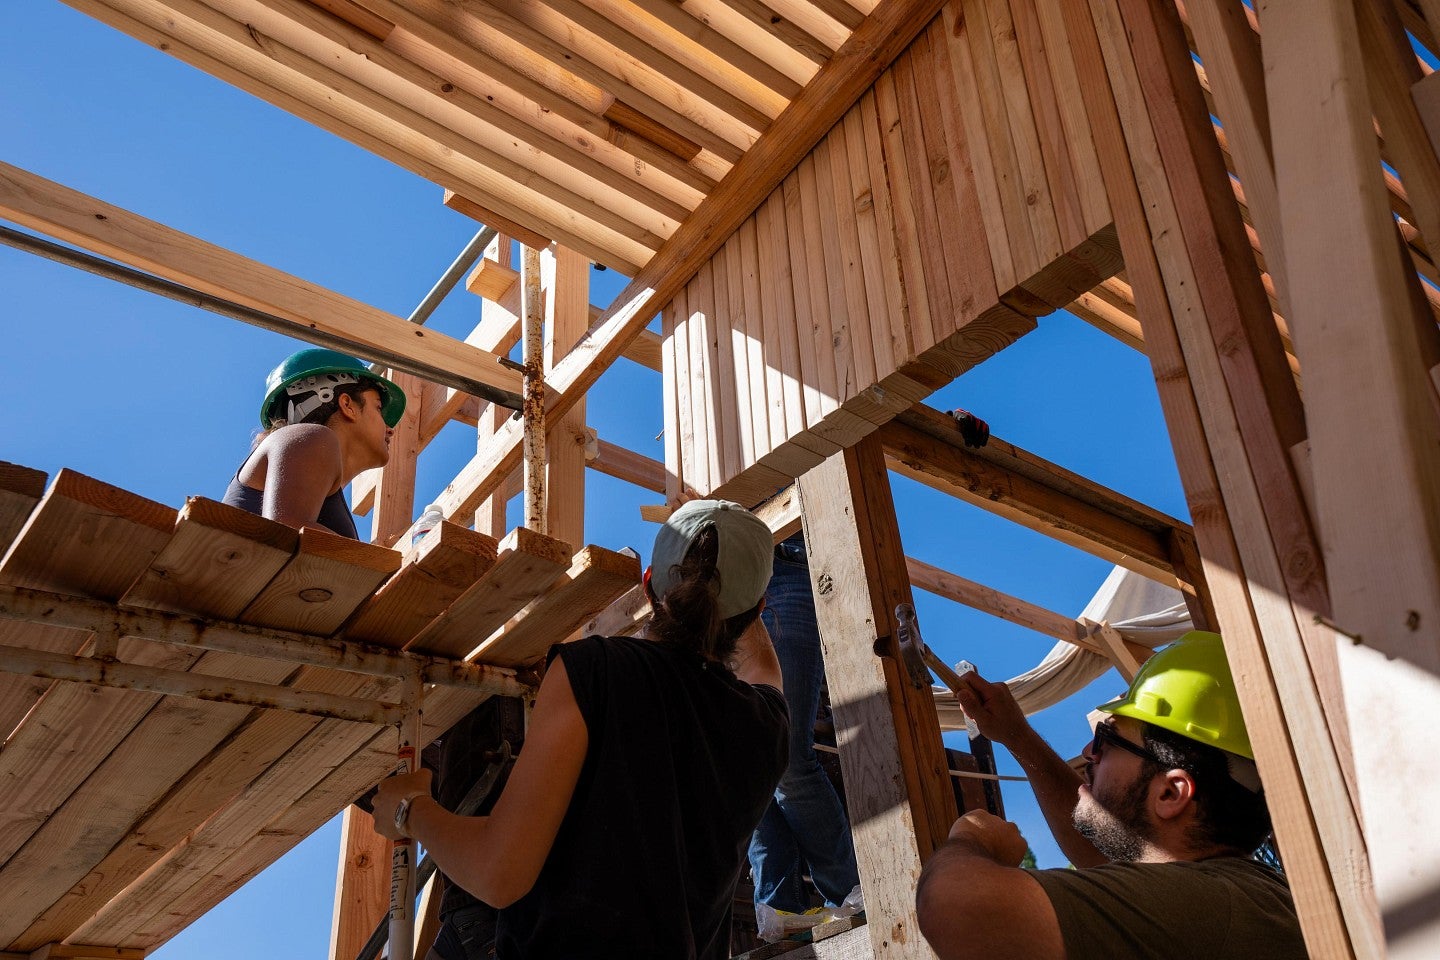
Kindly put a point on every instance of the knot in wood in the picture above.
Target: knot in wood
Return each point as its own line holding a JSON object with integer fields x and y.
{"x": 315, "y": 594}
{"x": 826, "y": 584}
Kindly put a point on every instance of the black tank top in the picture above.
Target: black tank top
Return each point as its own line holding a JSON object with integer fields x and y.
{"x": 334, "y": 512}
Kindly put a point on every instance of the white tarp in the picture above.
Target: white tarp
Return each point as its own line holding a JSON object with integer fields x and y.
{"x": 1143, "y": 611}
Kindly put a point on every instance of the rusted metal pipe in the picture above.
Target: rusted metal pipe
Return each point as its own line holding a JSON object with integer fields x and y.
{"x": 533, "y": 409}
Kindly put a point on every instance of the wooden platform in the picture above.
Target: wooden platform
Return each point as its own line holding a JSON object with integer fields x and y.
{"x": 128, "y": 814}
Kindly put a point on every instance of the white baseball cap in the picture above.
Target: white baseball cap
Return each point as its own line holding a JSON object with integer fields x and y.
{"x": 746, "y": 554}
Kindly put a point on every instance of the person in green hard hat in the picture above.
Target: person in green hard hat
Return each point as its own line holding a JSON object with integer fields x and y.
{"x": 1161, "y": 827}
{"x": 326, "y": 417}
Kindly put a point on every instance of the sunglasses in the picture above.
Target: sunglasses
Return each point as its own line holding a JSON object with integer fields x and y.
{"x": 1106, "y": 736}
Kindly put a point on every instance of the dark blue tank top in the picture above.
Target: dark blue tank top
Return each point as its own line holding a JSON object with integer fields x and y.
{"x": 334, "y": 512}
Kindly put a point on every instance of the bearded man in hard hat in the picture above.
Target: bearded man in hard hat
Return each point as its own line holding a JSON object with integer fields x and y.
{"x": 1162, "y": 828}
{"x": 326, "y": 417}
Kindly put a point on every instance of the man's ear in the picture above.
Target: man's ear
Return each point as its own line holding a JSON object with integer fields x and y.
{"x": 1173, "y": 794}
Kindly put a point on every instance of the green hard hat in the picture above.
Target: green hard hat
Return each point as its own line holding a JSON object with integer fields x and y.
{"x": 1187, "y": 689}
{"x": 317, "y": 372}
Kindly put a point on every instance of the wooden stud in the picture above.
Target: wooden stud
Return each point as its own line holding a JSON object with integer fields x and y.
{"x": 698, "y": 307}
{"x": 567, "y": 315}
{"x": 886, "y": 729}
{"x": 1023, "y": 613}
{"x": 730, "y": 424}
{"x": 447, "y": 562}
{"x": 859, "y": 353}
{"x": 596, "y": 577}
{"x": 670, "y": 400}
{"x": 840, "y": 286}
{"x": 1381, "y": 529}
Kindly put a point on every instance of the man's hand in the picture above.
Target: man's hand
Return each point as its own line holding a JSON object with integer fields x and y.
{"x": 1000, "y": 840}
{"x": 389, "y": 795}
{"x": 993, "y": 708}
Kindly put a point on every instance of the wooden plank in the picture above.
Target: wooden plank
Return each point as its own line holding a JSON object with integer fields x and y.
{"x": 152, "y": 905}
{"x": 989, "y": 600}
{"x": 595, "y": 579}
{"x": 219, "y": 558}
{"x": 174, "y": 737}
{"x": 80, "y": 951}
{"x": 362, "y": 884}
{"x": 508, "y": 143}
{"x": 1065, "y": 82}
{"x": 860, "y": 358}
{"x": 698, "y": 309}
{"x": 625, "y": 616}
{"x": 801, "y": 278}
{"x": 481, "y": 214}
{"x": 1056, "y": 513}
{"x": 395, "y": 488}
{"x": 492, "y": 279}
{"x": 1227, "y": 510}
{"x": 881, "y": 289}
{"x": 87, "y": 538}
{"x": 627, "y": 465}
{"x": 890, "y": 752}
{"x": 684, "y": 386}
{"x": 567, "y": 314}
{"x": 745, "y": 263}
{"x": 321, "y": 586}
{"x": 717, "y": 379}
{"x": 781, "y": 337}
{"x": 446, "y": 563}
{"x": 966, "y": 250}
{"x": 1384, "y": 584}
{"x": 20, "y": 490}
{"x": 670, "y": 400}
{"x": 821, "y": 306}
{"x": 898, "y": 342}
{"x": 840, "y": 286}
{"x": 526, "y": 564}
{"x": 121, "y": 235}
{"x": 729, "y": 425}
{"x": 1044, "y": 107}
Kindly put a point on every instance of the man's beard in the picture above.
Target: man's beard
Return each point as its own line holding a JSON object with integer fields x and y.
{"x": 1120, "y": 829}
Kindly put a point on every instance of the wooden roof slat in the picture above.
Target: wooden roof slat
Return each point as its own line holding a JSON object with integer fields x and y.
{"x": 217, "y": 560}
{"x": 519, "y": 95}
{"x": 535, "y": 54}
{"x": 606, "y": 43}
{"x": 596, "y": 578}
{"x": 320, "y": 587}
{"x": 527, "y": 563}
{"x": 447, "y": 562}
{"x": 467, "y": 112}
{"x": 842, "y": 12}
{"x": 816, "y": 19}
{"x": 701, "y": 36}
{"x": 20, "y": 490}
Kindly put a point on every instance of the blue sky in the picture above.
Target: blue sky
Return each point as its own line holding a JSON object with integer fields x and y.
{"x": 161, "y": 399}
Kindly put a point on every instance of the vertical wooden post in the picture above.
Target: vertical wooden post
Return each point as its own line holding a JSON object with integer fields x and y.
{"x": 362, "y": 884}
{"x": 490, "y": 515}
{"x": 395, "y": 491}
{"x": 1233, "y": 419}
{"x": 567, "y": 316}
{"x": 532, "y": 320}
{"x": 901, "y": 803}
{"x": 1374, "y": 442}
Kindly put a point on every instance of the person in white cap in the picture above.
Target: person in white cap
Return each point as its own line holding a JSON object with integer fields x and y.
{"x": 647, "y": 763}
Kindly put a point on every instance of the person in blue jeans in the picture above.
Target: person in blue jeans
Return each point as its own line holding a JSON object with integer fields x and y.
{"x": 804, "y": 823}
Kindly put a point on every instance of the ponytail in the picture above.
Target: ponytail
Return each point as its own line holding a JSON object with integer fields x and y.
{"x": 689, "y": 614}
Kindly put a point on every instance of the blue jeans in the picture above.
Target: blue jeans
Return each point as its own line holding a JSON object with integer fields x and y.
{"x": 804, "y": 823}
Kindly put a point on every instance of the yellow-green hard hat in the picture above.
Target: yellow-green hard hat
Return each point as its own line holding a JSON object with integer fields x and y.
{"x": 1187, "y": 689}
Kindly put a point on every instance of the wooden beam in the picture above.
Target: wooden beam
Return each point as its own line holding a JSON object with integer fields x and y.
{"x": 1381, "y": 527}
{"x": 362, "y": 884}
{"x": 566, "y": 277}
{"x": 627, "y": 465}
{"x": 133, "y": 240}
{"x": 925, "y": 445}
{"x": 20, "y": 490}
{"x": 1304, "y": 784}
{"x": 887, "y": 729}
{"x": 989, "y": 600}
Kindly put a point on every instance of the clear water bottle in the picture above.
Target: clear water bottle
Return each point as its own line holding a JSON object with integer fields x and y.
{"x": 430, "y": 518}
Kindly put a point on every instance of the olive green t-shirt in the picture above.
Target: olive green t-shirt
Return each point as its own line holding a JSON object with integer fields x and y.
{"x": 1216, "y": 909}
